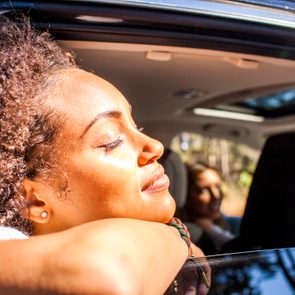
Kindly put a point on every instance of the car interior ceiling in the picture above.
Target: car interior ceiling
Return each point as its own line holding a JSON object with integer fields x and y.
{"x": 157, "y": 79}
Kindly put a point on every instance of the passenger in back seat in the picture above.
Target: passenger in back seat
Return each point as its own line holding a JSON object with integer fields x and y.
{"x": 201, "y": 213}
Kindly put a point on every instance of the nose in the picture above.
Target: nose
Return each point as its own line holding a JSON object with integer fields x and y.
{"x": 215, "y": 192}
{"x": 151, "y": 150}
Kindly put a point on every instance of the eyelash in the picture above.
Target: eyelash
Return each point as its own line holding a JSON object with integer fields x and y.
{"x": 112, "y": 145}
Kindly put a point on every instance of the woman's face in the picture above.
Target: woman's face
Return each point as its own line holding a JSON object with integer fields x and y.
{"x": 206, "y": 196}
{"x": 109, "y": 166}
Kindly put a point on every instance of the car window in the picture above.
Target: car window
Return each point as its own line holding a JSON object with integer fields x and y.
{"x": 269, "y": 272}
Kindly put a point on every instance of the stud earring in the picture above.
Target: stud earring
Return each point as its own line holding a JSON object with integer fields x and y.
{"x": 44, "y": 214}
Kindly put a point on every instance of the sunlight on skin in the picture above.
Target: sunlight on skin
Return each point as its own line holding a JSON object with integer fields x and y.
{"x": 110, "y": 165}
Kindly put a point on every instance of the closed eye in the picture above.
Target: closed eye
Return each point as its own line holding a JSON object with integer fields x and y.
{"x": 111, "y": 145}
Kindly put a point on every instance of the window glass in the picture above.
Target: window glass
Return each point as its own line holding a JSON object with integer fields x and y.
{"x": 235, "y": 162}
{"x": 282, "y": 4}
{"x": 271, "y": 105}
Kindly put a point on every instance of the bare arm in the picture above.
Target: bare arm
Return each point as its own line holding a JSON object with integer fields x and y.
{"x": 217, "y": 234}
{"x": 114, "y": 256}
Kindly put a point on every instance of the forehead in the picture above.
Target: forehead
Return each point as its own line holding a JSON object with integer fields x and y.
{"x": 208, "y": 176}
{"x": 80, "y": 95}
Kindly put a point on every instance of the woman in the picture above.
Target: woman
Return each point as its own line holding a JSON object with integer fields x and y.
{"x": 71, "y": 154}
{"x": 70, "y": 150}
{"x": 209, "y": 229}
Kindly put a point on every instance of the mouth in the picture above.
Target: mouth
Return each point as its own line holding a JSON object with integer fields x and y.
{"x": 158, "y": 182}
{"x": 215, "y": 207}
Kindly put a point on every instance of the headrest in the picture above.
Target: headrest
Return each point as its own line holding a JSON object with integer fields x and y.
{"x": 269, "y": 218}
{"x": 176, "y": 171}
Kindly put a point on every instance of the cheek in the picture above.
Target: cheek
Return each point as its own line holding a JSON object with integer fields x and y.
{"x": 96, "y": 163}
{"x": 105, "y": 176}
{"x": 203, "y": 199}
{"x": 110, "y": 187}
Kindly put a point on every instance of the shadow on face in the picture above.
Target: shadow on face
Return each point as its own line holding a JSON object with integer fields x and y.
{"x": 205, "y": 194}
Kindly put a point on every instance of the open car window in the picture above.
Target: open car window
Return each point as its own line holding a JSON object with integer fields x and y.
{"x": 257, "y": 272}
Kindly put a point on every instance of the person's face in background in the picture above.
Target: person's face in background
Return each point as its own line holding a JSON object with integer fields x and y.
{"x": 206, "y": 195}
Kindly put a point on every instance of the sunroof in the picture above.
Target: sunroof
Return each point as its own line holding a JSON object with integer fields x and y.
{"x": 272, "y": 105}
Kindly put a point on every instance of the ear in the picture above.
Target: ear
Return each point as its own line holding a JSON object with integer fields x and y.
{"x": 38, "y": 207}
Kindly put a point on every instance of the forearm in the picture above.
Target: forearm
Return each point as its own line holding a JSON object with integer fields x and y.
{"x": 23, "y": 266}
{"x": 142, "y": 257}
{"x": 117, "y": 256}
{"x": 219, "y": 236}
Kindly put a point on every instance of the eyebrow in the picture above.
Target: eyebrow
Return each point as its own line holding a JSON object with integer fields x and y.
{"x": 107, "y": 114}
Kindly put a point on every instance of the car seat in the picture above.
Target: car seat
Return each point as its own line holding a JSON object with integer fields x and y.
{"x": 176, "y": 171}
{"x": 269, "y": 218}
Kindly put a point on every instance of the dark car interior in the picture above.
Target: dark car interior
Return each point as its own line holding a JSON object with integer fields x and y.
{"x": 269, "y": 220}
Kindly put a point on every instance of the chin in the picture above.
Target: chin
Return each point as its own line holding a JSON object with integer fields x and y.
{"x": 164, "y": 212}
{"x": 216, "y": 216}
{"x": 168, "y": 211}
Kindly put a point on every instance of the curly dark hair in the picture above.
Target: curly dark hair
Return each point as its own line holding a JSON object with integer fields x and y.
{"x": 28, "y": 61}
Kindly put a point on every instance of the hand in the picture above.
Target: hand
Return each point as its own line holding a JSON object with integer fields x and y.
{"x": 204, "y": 223}
{"x": 194, "y": 277}
{"x": 197, "y": 252}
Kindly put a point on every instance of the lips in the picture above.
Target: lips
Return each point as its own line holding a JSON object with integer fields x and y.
{"x": 158, "y": 182}
{"x": 215, "y": 206}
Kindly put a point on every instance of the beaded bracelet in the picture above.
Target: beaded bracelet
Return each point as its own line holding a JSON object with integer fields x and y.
{"x": 184, "y": 233}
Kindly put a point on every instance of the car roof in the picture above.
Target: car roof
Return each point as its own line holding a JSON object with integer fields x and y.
{"x": 269, "y": 12}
